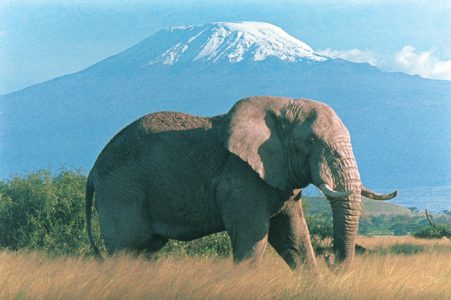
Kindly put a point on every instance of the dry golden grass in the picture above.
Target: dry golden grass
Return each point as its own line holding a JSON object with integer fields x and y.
{"x": 377, "y": 275}
{"x": 388, "y": 241}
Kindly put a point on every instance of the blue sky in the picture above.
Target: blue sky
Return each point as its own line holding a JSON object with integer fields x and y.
{"x": 40, "y": 40}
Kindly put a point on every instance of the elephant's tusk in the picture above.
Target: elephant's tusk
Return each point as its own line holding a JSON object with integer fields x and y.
{"x": 375, "y": 196}
{"x": 330, "y": 193}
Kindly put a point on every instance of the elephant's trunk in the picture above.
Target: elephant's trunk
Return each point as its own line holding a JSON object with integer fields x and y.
{"x": 338, "y": 169}
{"x": 346, "y": 214}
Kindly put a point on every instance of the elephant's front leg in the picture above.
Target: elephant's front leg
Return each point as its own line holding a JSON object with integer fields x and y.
{"x": 247, "y": 247}
{"x": 244, "y": 201}
{"x": 290, "y": 237}
{"x": 247, "y": 225}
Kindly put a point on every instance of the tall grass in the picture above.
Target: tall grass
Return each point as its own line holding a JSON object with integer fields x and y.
{"x": 374, "y": 275}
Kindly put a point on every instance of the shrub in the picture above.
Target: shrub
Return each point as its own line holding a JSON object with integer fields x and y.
{"x": 434, "y": 232}
{"x": 321, "y": 230}
{"x": 42, "y": 212}
{"x": 214, "y": 245}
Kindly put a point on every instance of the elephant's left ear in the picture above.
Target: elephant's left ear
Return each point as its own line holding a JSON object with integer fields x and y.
{"x": 252, "y": 132}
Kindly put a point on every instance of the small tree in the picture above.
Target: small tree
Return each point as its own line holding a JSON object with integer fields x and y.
{"x": 433, "y": 231}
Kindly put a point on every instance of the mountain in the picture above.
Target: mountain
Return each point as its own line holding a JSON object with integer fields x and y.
{"x": 399, "y": 123}
{"x": 230, "y": 42}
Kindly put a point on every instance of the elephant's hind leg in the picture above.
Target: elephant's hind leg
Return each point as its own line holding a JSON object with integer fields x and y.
{"x": 155, "y": 244}
{"x": 123, "y": 221}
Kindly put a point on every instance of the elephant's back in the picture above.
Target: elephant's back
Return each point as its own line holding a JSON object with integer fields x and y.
{"x": 133, "y": 141}
{"x": 169, "y": 121}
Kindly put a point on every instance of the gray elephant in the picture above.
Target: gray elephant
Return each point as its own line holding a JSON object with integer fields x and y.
{"x": 174, "y": 176}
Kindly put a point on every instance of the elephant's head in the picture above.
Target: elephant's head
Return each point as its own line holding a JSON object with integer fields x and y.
{"x": 293, "y": 143}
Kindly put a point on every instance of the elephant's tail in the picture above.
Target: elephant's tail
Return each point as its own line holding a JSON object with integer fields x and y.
{"x": 89, "y": 197}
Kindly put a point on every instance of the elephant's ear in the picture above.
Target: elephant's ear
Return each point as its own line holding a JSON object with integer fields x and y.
{"x": 252, "y": 132}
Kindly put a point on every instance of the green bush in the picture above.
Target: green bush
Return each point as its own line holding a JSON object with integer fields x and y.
{"x": 42, "y": 212}
{"x": 214, "y": 245}
{"x": 320, "y": 226}
{"x": 434, "y": 232}
{"x": 321, "y": 231}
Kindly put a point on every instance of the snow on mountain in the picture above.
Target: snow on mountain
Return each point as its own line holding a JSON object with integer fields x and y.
{"x": 232, "y": 42}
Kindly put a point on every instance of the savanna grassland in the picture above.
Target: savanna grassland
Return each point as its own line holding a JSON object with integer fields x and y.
{"x": 393, "y": 268}
{"x": 44, "y": 254}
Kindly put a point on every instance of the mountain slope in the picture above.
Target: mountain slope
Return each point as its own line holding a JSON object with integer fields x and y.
{"x": 399, "y": 123}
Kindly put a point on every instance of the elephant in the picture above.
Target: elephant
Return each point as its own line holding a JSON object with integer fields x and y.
{"x": 171, "y": 175}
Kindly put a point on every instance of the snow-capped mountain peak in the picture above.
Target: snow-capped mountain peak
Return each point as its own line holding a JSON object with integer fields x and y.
{"x": 232, "y": 42}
